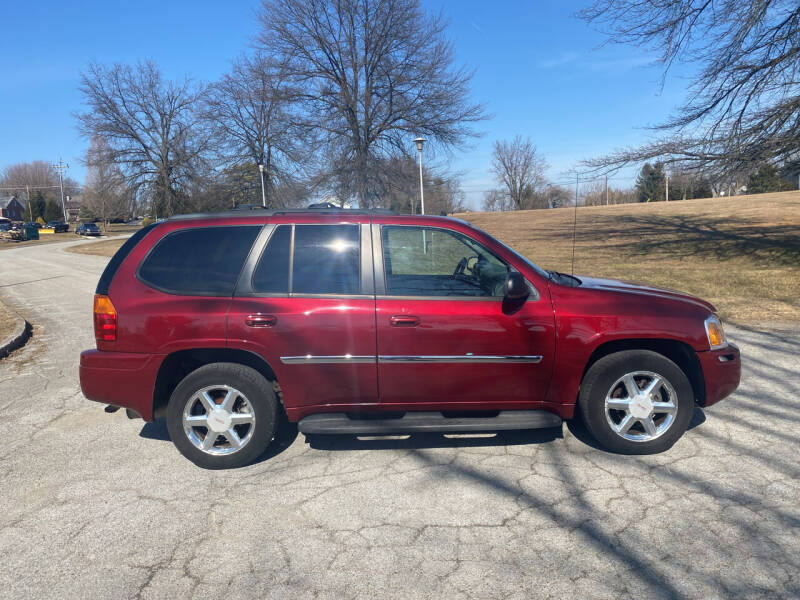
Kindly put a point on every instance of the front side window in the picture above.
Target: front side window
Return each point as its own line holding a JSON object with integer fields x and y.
{"x": 200, "y": 261}
{"x": 425, "y": 261}
{"x": 326, "y": 259}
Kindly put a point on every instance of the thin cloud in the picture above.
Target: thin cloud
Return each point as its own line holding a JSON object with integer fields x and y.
{"x": 564, "y": 59}
{"x": 621, "y": 64}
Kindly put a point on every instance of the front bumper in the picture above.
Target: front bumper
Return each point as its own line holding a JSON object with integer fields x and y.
{"x": 123, "y": 379}
{"x": 722, "y": 371}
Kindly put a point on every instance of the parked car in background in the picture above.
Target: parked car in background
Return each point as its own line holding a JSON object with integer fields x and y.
{"x": 33, "y": 224}
{"x": 57, "y": 226}
{"x": 87, "y": 229}
{"x": 368, "y": 322}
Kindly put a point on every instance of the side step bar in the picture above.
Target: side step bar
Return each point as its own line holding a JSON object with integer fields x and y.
{"x": 339, "y": 423}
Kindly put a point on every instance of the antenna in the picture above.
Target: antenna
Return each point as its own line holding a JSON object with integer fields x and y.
{"x": 574, "y": 225}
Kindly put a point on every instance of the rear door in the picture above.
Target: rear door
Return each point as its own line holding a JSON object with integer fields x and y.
{"x": 305, "y": 303}
{"x": 445, "y": 336}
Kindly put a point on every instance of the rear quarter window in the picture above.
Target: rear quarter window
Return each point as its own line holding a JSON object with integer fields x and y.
{"x": 200, "y": 261}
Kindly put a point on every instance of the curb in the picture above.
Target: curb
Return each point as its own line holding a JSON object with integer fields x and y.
{"x": 18, "y": 338}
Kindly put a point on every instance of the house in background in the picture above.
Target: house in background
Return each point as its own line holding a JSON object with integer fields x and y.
{"x": 73, "y": 206}
{"x": 11, "y": 208}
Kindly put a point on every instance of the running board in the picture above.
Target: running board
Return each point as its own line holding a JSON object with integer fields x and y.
{"x": 338, "y": 423}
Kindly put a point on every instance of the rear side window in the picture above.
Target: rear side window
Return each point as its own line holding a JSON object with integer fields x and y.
{"x": 201, "y": 261}
{"x": 326, "y": 259}
{"x": 116, "y": 260}
{"x": 272, "y": 273}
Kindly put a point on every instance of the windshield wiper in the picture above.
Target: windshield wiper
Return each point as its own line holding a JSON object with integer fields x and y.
{"x": 564, "y": 278}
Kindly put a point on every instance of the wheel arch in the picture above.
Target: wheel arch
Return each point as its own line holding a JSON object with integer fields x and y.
{"x": 179, "y": 364}
{"x": 680, "y": 353}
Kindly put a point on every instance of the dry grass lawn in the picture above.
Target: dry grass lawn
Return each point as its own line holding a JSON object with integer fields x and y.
{"x": 114, "y": 229}
{"x": 101, "y": 248}
{"x": 741, "y": 253}
{"x": 6, "y": 323}
{"x": 44, "y": 238}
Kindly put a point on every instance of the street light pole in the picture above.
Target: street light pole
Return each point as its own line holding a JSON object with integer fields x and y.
{"x": 419, "y": 142}
{"x": 263, "y": 195}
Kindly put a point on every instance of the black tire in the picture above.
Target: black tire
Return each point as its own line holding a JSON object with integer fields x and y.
{"x": 259, "y": 395}
{"x": 602, "y": 376}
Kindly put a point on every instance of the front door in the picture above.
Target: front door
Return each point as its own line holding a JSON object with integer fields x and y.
{"x": 307, "y": 307}
{"x": 443, "y": 333}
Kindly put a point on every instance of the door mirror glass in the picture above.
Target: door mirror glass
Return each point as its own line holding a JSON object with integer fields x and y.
{"x": 516, "y": 287}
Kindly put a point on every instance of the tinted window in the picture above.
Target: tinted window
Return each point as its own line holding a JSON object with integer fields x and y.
{"x": 199, "y": 261}
{"x": 272, "y": 273}
{"x": 116, "y": 260}
{"x": 422, "y": 261}
{"x": 326, "y": 259}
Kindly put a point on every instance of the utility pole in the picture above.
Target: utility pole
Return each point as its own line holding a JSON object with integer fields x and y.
{"x": 28, "y": 196}
{"x": 606, "y": 189}
{"x": 666, "y": 174}
{"x": 61, "y": 167}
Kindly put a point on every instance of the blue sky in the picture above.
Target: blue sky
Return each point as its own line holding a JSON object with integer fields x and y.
{"x": 541, "y": 72}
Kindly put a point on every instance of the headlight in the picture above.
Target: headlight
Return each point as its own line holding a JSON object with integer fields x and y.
{"x": 715, "y": 333}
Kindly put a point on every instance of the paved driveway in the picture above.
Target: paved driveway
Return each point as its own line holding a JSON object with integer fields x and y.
{"x": 96, "y": 505}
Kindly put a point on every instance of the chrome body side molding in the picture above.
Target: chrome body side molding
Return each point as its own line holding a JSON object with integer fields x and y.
{"x": 466, "y": 358}
{"x": 309, "y": 359}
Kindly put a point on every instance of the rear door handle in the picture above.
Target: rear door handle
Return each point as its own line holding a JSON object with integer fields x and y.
{"x": 259, "y": 320}
{"x": 404, "y": 321}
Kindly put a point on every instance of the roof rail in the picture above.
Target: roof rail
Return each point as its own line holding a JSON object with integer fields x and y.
{"x": 249, "y": 212}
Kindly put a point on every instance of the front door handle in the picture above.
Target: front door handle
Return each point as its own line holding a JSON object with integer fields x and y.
{"x": 259, "y": 320}
{"x": 404, "y": 321}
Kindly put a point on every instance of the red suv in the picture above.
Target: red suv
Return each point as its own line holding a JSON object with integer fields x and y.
{"x": 366, "y": 322}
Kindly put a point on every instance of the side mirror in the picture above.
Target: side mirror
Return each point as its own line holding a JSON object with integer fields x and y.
{"x": 516, "y": 287}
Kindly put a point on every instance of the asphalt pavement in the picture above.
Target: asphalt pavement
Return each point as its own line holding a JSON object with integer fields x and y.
{"x": 95, "y": 505}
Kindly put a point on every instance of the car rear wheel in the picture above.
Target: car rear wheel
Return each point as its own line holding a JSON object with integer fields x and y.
{"x": 222, "y": 415}
{"x": 636, "y": 402}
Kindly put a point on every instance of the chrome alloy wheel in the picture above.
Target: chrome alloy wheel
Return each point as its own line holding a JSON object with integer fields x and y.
{"x": 218, "y": 419}
{"x": 641, "y": 406}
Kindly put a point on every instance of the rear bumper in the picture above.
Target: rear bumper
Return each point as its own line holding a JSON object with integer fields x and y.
{"x": 722, "y": 371}
{"x": 120, "y": 378}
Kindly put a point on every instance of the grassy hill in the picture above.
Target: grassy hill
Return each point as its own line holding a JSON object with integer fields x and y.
{"x": 741, "y": 253}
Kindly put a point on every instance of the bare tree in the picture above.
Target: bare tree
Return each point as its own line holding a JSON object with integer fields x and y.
{"x": 105, "y": 195}
{"x": 36, "y": 176}
{"x": 151, "y": 126}
{"x": 743, "y": 108}
{"x": 497, "y": 200}
{"x": 519, "y": 169}
{"x": 373, "y": 74}
{"x": 250, "y": 111}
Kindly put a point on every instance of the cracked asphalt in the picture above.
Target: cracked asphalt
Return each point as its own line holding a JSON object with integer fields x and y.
{"x": 99, "y": 506}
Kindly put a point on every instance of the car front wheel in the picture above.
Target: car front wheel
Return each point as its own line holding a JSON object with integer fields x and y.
{"x": 636, "y": 402}
{"x": 222, "y": 415}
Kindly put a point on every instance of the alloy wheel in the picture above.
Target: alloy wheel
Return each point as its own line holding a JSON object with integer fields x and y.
{"x": 641, "y": 406}
{"x": 218, "y": 419}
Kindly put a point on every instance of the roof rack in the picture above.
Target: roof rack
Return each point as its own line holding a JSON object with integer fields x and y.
{"x": 245, "y": 212}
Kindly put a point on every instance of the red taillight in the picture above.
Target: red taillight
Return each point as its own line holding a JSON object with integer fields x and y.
{"x": 105, "y": 319}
